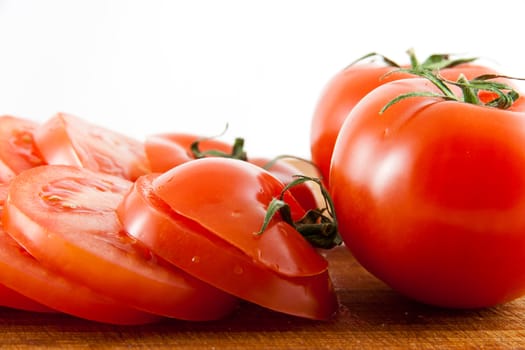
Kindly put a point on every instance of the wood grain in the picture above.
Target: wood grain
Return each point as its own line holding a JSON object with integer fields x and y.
{"x": 371, "y": 316}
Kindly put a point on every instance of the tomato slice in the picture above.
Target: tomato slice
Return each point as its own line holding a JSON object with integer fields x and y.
{"x": 65, "y": 217}
{"x": 22, "y": 273}
{"x": 206, "y": 255}
{"x": 33, "y": 287}
{"x": 68, "y": 140}
{"x": 18, "y": 150}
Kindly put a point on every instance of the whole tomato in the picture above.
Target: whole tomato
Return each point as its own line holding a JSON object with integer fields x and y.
{"x": 430, "y": 193}
{"x": 351, "y": 84}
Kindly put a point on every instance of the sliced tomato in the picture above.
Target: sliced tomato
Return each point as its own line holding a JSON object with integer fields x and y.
{"x": 22, "y": 273}
{"x": 213, "y": 236}
{"x": 65, "y": 217}
{"x": 35, "y": 288}
{"x": 68, "y": 140}
{"x": 18, "y": 150}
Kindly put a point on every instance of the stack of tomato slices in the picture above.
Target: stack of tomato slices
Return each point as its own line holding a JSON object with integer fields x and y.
{"x": 96, "y": 226}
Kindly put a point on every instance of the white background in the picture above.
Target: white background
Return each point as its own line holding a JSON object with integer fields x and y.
{"x": 145, "y": 67}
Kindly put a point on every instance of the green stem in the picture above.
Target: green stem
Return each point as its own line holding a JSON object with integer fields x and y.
{"x": 470, "y": 94}
{"x": 318, "y": 226}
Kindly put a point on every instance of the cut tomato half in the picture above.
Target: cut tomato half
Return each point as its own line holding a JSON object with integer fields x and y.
{"x": 68, "y": 140}
{"x": 276, "y": 269}
{"x": 65, "y": 217}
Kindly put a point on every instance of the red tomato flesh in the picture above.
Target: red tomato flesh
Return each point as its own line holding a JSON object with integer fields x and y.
{"x": 65, "y": 217}
{"x": 34, "y": 286}
{"x": 17, "y": 148}
{"x": 68, "y": 140}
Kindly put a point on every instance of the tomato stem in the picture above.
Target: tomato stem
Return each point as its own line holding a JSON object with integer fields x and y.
{"x": 432, "y": 62}
{"x": 236, "y": 153}
{"x": 318, "y": 226}
{"x": 505, "y": 94}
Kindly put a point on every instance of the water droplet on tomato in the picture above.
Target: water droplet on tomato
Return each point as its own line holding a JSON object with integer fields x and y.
{"x": 238, "y": 270}
{"x": 195, "y": 259}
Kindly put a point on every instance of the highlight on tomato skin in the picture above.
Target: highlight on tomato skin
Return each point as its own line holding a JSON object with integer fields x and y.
{"x": 222, "y": 257}
{"x": 65, "y": 217}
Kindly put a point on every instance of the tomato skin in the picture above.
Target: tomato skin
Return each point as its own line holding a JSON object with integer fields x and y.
{"x": 65, "y": 217}
{"x": 190, "y": 246}
{"x": 430, "y": 195}
{"x": 347, "y": 88}
{"x": 65, "y": 139}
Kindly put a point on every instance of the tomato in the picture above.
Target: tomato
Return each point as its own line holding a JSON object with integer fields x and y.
{"x": 68, "y": 140}
{"x": 65, "y": 217}
{"x": 168, "y": 150}
{"x": 34, "y": 287}
{"x": 430, "y": 195}
{"x": 350, "y": 85}
{"x": 17, "y": 148}
{"x": 164, "y": 151}
{"x": 203, "y": 216}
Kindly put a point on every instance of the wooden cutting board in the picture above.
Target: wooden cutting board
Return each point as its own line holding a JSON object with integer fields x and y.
{"x": 371, "y": 316}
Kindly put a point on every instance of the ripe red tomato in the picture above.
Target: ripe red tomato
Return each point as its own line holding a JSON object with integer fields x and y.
{"x": 65, "y": 217}
{"x": 430, "y": 195}
{"x": 203, "y": 216}
{"x": 166, "y": 151}
{"x": 31, "y": 286}
{"x": 17, "y": 148}
{"x": 67, "y": 140}
{"x": 350, "y": 85}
